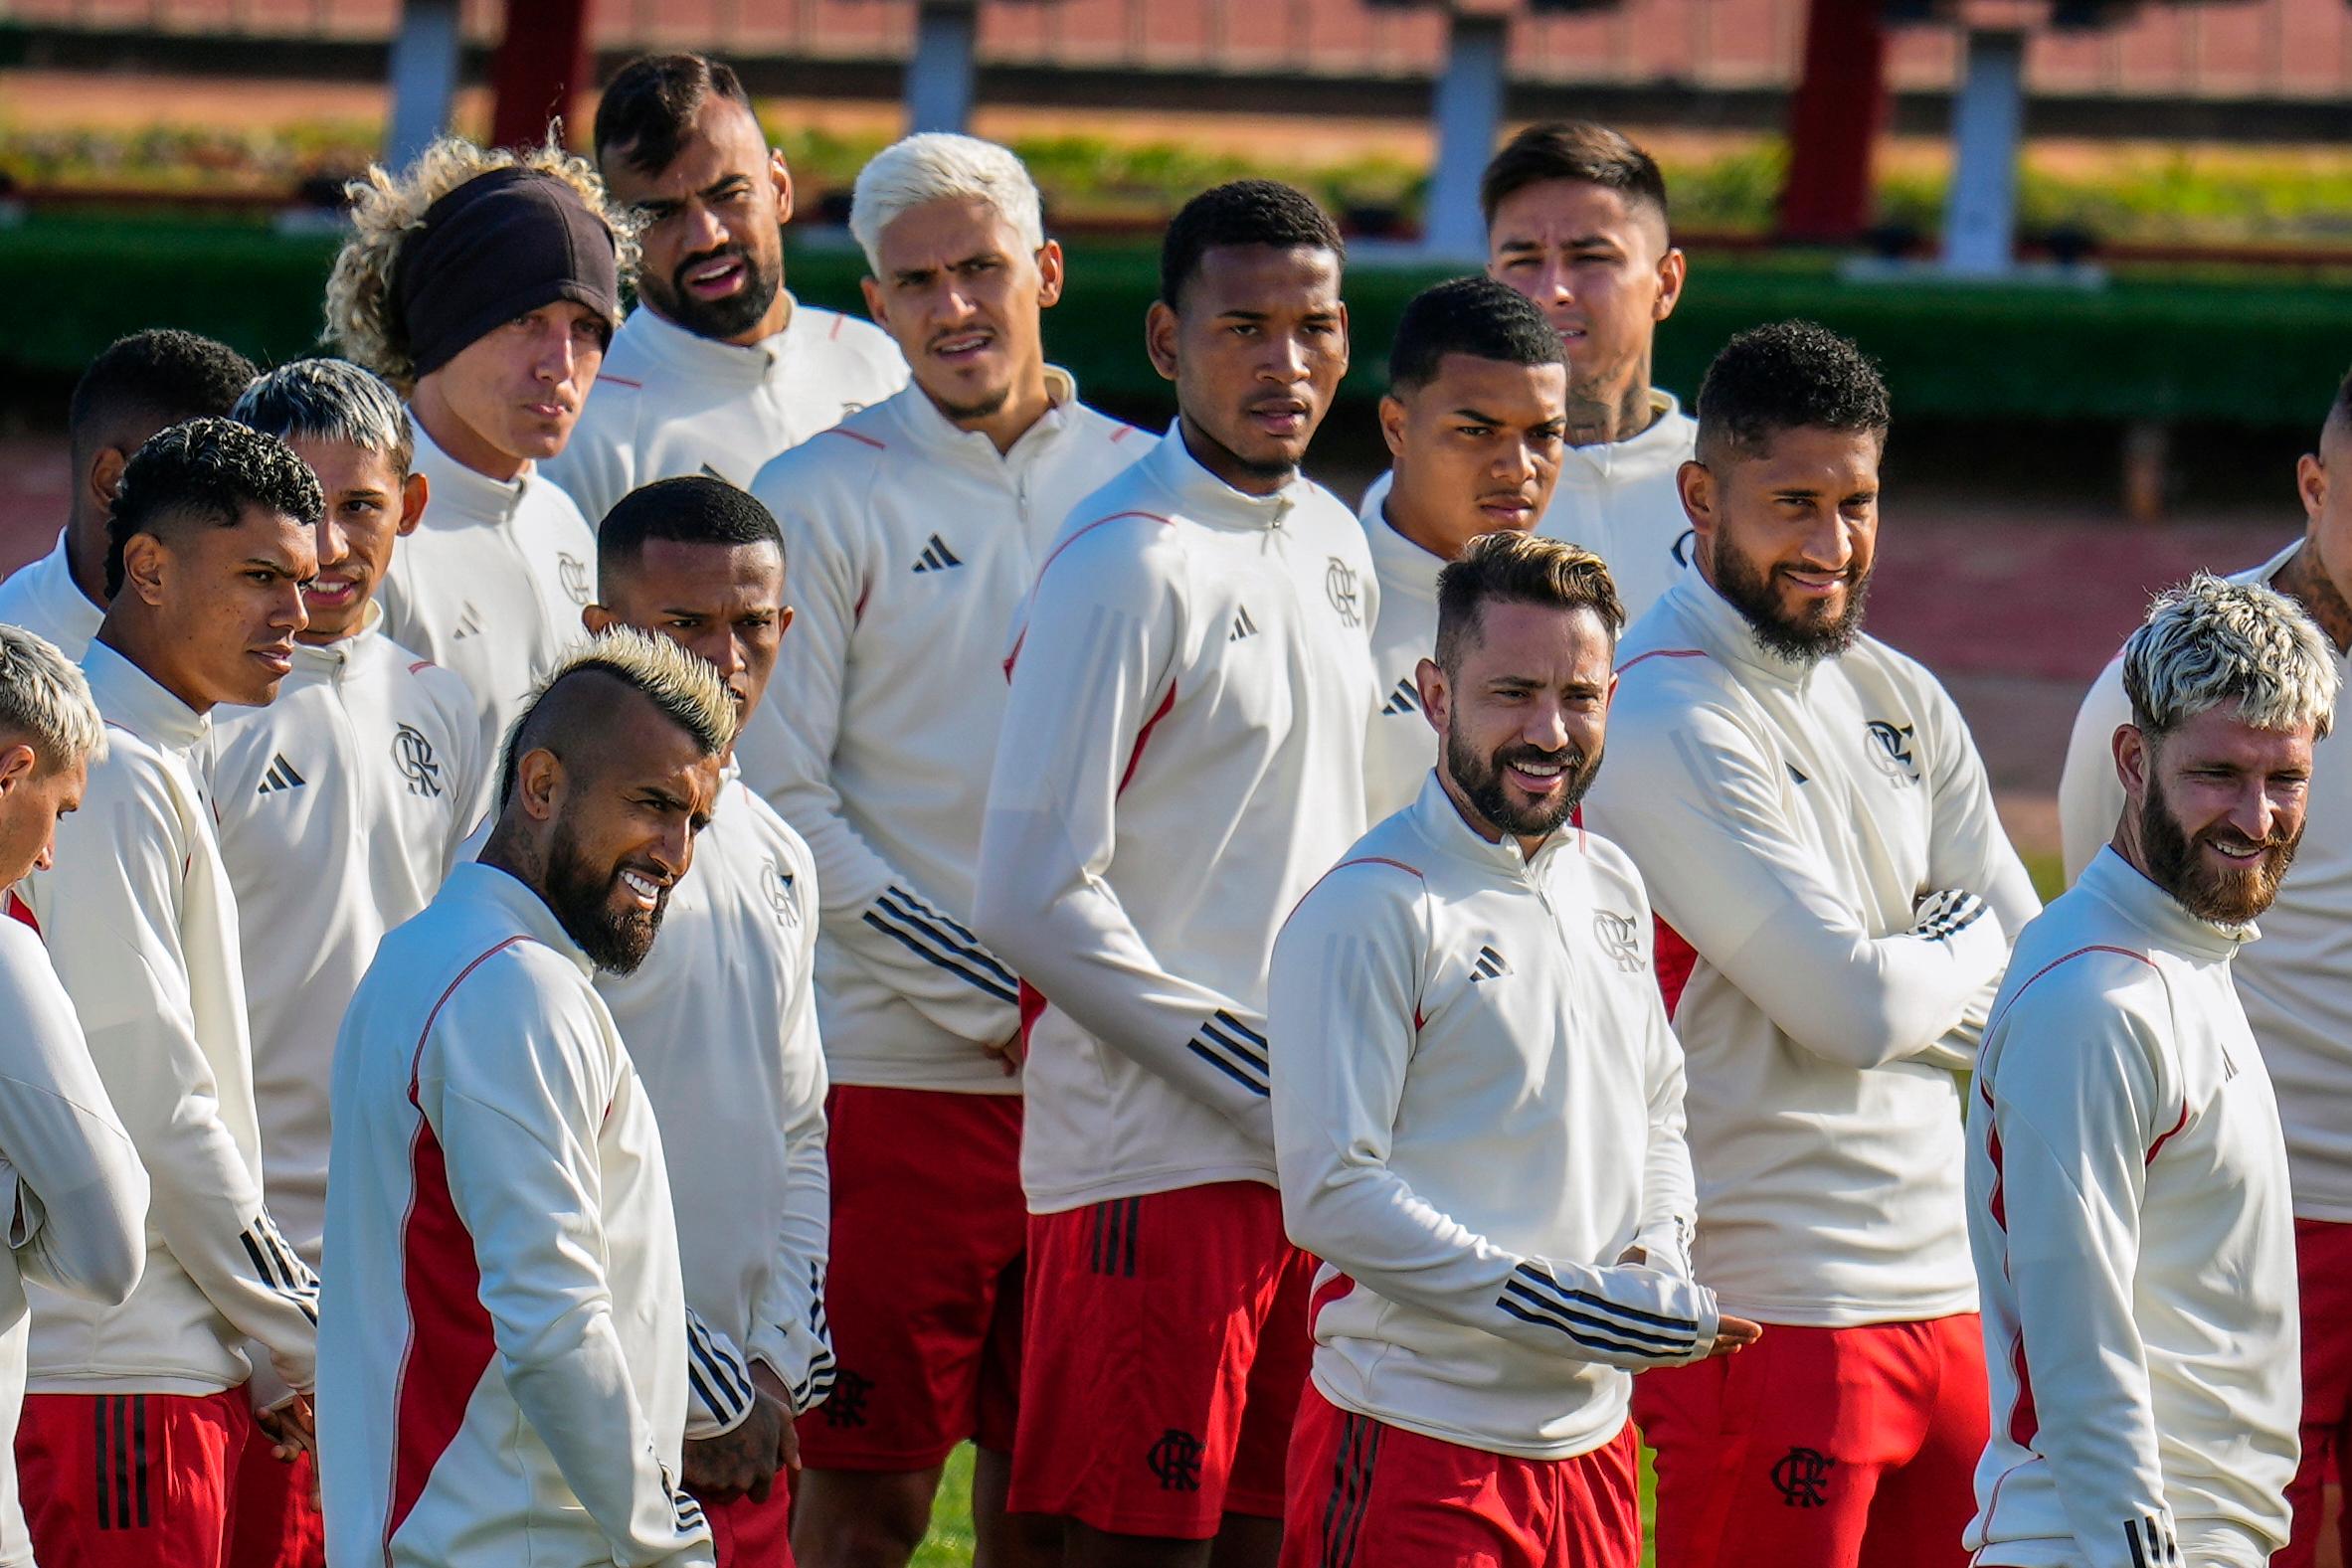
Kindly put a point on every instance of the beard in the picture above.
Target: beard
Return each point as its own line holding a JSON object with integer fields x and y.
{"x": 1480, "y": 779}
{"x": 1806, "y": 638}
{"x": 616, "y": 940}
{"x": 724, "y": 318}
{"x": 2224, "y": 897}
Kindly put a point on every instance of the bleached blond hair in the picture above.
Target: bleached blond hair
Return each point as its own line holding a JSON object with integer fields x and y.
{"x": 362, "y": 321}
{"x": 46, "y": 702}
{"x": 2211, "y": 641}
{"x": 685, "y": 686}
{"x": 934, "y": 166}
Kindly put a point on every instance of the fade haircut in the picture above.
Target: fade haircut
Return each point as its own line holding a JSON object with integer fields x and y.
{"x": 206, "y": 470}
{"x": 2340, "y": 410}
{"x": 1241, "y": 212}
{"x": 685, "y": 686}
{"x": 139, "y": 383}
{"x": 46, "y": 703}
{"x": 1519, "y": 569}
{"x": 650, "y": 107}
{"x": 937, "y": 166}
{"x": 1476, "y": 316}
{"x": 1572, "y": 149}
{"x": 331, "y": 400}
{"x": 1787, "y": 376}
{"x": 2211, "y": 641}
{"x": 692, "y": 510}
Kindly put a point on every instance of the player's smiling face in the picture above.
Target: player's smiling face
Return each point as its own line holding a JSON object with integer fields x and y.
{"x": 1476, "y": 450}
{"x": 1524, "y": 717}
{"x": 1787, "y": 531}
{"x": 713, "y": 238}
{"x": 961, "y": 293}
{"x": 368, "y": 506}
{"x": 1256, "y": 348}
{"x": 2217, "y": 809}
{"x": 1600, "y": 269}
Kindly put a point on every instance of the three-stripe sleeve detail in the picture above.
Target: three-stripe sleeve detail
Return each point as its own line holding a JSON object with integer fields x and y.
{"x": 1352, "y": 1490}
{"x": 817, "y": 1384}
{"x": 1532, "y": 1295}
{"x": 939, "y": 941}
{"x": 277, "y": 1267}
{"x": 720, "y": 1381}
{"x": 1234, "y": 1049}
{"x": 2152, "y": 1542}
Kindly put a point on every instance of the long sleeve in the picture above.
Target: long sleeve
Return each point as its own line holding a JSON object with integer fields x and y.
{"x": 1344, "y": 993}
{"x": 2075, "y": 1109}
{"x": 875, "y": 912}
{"x": 789, "y": 1329}
{"x": 68, "y": 1171}
{"x": 107, "y": 914}
{"x": 1096, "y": 660}
{"x": 517, "y": 1121}
{"x": 1697, "y": 805}
{"x": 2090, "y": 794}
{"x": 1670, "y": 1189}
{"x": 1969, "y": 849}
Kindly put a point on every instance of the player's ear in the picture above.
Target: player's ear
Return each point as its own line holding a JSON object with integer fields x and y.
{"x": 103, "y": 478}
{"x": 1695, "y": 483}
{"x": 1430, "y": 683}
{"x": 1393, "y": 413}
{"x": 413, "y": 494}
{"x": 782, "y": 174}
{"x": 1159, "y": 338}
{"x": 2133, "y": 758}
{"x": 18, "y": 763}
{"x": 537, "y": 775}
{"x": 2312, "y": 484}
{"x": 1049, "y": 274}
{"x": 1673, "y": 268}
{"x": 145, "y": 562}
{"x": 596, "y": 618}
{"x": 876, "y": 306}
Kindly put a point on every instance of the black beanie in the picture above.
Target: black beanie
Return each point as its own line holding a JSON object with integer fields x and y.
{"x": 501, "y": 245}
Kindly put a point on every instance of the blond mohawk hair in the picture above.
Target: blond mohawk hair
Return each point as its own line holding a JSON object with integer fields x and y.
{"x": 686, "y": 687}
{"x": 385, "y": 208}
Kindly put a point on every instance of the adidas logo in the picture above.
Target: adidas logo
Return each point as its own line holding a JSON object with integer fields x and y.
{"x": 1243, "y": 627}
{"x": 1405, "y": 699}
{"x": 282, "y": 775}
{"x": 1796, "y": 772}
{"x": 1490, "y": 964}
{"x": 469, "y": 623}
{"x": 937, "y": 556}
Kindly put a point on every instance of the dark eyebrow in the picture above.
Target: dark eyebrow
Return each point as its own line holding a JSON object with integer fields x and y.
{"x": 722, "y": 182}
{"x": 1467, "y": 413}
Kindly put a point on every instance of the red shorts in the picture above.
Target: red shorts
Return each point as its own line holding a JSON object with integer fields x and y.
{"x": 1168, "y": 1347}
{"x": 926, "y": 1315}
{"x": 2323, "y": 1261}
{"x": 754, "y": 1534}
{"x": 276, "y": 1523}
{"x": 131, "y": 1480}
{"x": 1821, "y": 1447}
{"x": 1364, "y": 1492}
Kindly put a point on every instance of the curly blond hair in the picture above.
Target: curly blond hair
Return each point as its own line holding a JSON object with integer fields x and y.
{"x": 385, "y": 208}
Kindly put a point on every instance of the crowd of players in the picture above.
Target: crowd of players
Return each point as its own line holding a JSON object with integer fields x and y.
{"x": 942, "y": 916}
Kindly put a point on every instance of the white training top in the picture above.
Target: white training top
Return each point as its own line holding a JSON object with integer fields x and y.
{"x": 670, "y": 402}
{"x": 1183, "y": 758}
{"x": 1400, "y": 747}
{"x": 1442, "y": 1009}
{"x": 2294, "y": 982}
{"x": 721, "y": 1023}
{"x": 909, "y": 544}
{"x": 42, "y": 598}
{"x": 1622, "y": 502}
{"x": 2129, "y": 1211}
{"x": 505, "y": 1349}
{"x": 141, "y": 925}
{"x": 341, "y": 807}
{"x": 71, "y": 1182}
{"x": 1790, "y": 818}
{"x": 492, "y": 583}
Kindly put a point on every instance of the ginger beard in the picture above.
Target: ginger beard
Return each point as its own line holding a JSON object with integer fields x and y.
{"x": 2207, "y": 887}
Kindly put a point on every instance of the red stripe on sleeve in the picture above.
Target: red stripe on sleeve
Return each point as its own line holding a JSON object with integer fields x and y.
{"x": 446, "y": 1321}
{"x": 1143, "y": 737}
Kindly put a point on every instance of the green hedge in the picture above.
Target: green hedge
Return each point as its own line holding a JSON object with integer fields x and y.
{"x": 2252, "y": 349}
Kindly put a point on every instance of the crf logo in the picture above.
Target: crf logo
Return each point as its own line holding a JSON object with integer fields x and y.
{"x": 1176, "y": 1461}
{"x": 1890, "y": 748}
{"x": 412, "y": 753}
{"x": 846, "y": 1406}
{"x": 572, "y": 572}
{"x": 1339, "y": 582}
{"x": 1800, "y": 1476}
{"x": 1619, "y": 937}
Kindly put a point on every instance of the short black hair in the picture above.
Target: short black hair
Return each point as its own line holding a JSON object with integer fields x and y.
{"x": 1241, "y": 212}
{"x": 1468, "y": 315}
{"x": 1787, "y": 376}
{"x": 693, "y": 510}
{"x": 206, "y": 470}
{"x": 651, "y": 104}
{"x": 139, "y": 383}
{"x": 1572, "y": 149}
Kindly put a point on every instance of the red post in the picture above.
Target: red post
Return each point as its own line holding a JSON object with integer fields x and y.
{"x": 1834, "y": 121}
{"x": 541, "y": 61}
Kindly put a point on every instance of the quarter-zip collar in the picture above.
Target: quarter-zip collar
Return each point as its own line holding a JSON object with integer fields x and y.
{"x": 1726, "y": 632}
{"x": 1442, "y": 823}
{"x": 506, "y": 892}
{"x": 462, "y": 493}
{"x": 1599, "y": 463}
{"x": 1206, "y": 498}
{"x": 131, "y": 698}
{"x": 2125, "y": 888}
{"x": 920, "y": 421}
{"x": 709, "y": 359}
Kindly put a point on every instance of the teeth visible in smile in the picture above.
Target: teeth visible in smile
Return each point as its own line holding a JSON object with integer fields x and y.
{"x": 1537, "y": 769}
{"x": 640, "y": 886}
